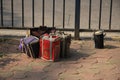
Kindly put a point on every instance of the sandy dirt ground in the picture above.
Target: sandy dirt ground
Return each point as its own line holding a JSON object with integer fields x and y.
{"x": 84, "y": 62}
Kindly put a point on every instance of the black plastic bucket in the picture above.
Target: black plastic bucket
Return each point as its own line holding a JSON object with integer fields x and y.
{"x": 99, "y": 39}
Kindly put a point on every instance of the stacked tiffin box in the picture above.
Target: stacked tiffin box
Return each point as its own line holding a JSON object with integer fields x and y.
{"x": 46, "y": 43}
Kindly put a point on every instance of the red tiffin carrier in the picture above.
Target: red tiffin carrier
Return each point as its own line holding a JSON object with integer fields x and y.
{"x": 50, "y": 47}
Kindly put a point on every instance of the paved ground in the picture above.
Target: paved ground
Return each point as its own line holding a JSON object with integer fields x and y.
{"x": 83, "y": 63}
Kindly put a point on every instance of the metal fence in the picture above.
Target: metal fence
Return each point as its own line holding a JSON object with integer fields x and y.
{"x": 77, "y": 17}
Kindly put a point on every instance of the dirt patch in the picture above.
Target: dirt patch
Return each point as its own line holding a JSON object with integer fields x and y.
{"x": 83, "y": 63}
{"x": 9, "y": 46}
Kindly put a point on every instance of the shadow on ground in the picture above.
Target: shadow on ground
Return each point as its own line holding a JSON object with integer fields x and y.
{"x": 5, "y": 61}
{"x": 75, "y": 55}
{"x": 9, "y": 46}
{"x": 110, "y": 47}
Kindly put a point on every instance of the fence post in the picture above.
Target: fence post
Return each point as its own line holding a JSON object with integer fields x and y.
{"x": 22, "y": 13}
{"x": 77, "y": 18}
{"x": 12, "y": 12}
{"x": 53, "y": 19}
{"x": 1, "y": 1}
{"x": 33, "y": 18}
{"x": 43, "y": 12}
{"x": 90, "y": 7}
{"x": 110, "y": 19}
{"x": 64, "y": 14}
{"x": 100, "y": 14}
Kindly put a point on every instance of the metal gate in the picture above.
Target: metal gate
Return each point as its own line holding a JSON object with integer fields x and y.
{"x": 76, "y": 20}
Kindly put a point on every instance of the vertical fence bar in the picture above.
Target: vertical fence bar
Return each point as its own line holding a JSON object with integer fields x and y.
{"x": 22, "y": 13}
{"x": 1, "y": 12}
{"x": 63, "y": 14}
{"x": 12, "y": 13}
{"x": 53, "y": 24}
{"x": 77, "y": 18}
{"x": 43, "y": 12}
{"x": 100, "y": 12}
{"x": 110, "y": 19}
{"x": 90, "y": 3}
{"x": 33, "y": 18}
